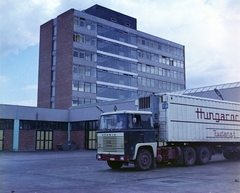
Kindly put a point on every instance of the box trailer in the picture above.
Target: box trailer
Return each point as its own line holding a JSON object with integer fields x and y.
{"x": 173, "y": 128}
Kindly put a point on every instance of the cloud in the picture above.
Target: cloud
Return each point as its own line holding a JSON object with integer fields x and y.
{"x": 30, "y": 87}
{"x": 20, "y": 24}
{"x": 3, "y": 79}
{"x": 209, "y": 30}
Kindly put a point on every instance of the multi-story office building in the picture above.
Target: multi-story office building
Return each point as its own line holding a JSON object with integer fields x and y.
{"x": 99, "y": 55}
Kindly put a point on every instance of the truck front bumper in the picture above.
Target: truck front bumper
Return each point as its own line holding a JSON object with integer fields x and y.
{"x": 106, "y": 157}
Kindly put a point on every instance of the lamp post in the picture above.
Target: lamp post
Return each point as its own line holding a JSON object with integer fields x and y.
{"x": 218, "y": 93}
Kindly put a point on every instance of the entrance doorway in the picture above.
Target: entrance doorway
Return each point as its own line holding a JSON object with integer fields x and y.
{"x": 90, "y": 135}
{"x": 44, "y": 140}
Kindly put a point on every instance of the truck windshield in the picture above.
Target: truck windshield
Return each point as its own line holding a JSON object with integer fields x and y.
{"x": 113, "y": 122}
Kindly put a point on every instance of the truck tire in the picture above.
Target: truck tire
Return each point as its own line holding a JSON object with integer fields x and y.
{"x": 115, "y": 164}
{"x": 189, "y": 156}
{"x": 203, "y": 155}
{"x": 229, "y": 155}
{"x": 144, "y": 160}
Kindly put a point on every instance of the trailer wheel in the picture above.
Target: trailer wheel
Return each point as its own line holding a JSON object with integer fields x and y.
{"x": 203, "y": 155}
{"x": 144, "y": 160}
{"x": 115, "y": 164}
{"x": 189, "y": 156}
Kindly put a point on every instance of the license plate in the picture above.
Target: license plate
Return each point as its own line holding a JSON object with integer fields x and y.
{"x": 112, "y": 159}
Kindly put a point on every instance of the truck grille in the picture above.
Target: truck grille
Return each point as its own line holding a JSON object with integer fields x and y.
{"x": 110, "y": 143}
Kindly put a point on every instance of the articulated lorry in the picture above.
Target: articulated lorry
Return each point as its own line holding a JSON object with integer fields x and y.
{"x": 169, "y": 128}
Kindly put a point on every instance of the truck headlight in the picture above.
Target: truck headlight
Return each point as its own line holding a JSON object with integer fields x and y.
{"x": 122, "y": 158}
{"x": 98, "y": 156}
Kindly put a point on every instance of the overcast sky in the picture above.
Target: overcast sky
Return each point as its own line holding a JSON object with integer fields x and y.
{"x": 209, "y": 30}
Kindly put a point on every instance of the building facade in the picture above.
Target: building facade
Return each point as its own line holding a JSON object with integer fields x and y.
{"x": 46, "y": 128}
{"x": 99, "y": 55}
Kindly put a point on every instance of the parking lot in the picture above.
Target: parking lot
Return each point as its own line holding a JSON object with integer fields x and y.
{"x": 79, "y": 171}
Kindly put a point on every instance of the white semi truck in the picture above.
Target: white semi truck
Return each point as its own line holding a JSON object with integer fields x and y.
{"x": 169, "y": 128}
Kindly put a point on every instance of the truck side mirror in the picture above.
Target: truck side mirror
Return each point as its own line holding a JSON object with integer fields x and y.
{"x": 134, "y": 120}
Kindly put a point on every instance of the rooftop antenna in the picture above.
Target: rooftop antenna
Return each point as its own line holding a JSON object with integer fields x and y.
{"x": 218, "y": 93}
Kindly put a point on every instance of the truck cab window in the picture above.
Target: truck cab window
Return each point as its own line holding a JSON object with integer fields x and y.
{"x": 113, "y": 122}
{"x": 137, "y": 121}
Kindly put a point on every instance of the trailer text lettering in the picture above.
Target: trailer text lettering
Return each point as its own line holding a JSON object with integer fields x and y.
{"x": 216, "y": 116}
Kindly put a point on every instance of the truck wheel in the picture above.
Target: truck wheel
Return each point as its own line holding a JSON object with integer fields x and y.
{"x": 189, "y": 156}
{"x": 115, "y": 164}
{"x": 203, "y": 155}
{"x": 144, "y": 160}
{"x": 229, "y": 155}
{"x": 179, "y": 161}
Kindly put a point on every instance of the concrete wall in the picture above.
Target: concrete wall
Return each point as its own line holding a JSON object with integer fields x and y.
{"x": 32, "y": 113}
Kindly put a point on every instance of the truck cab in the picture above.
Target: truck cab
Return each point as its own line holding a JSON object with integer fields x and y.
{"x": 125, "y": 137}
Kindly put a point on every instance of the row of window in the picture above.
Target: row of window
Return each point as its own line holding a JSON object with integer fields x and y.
{"x": 148, "y": 82}
{"x": 116, "y": 78}
{"x": 79, "y": 21}
{"x": 6, "y": 124}
{"x": 119, "y": 93}
{"x": 124, "y": 36}
{"x": 124, "y": 51}
{"x": 160, "y": 71}
{"x": 84, "y": 70}
{"x": 87, "y": 55}
{"x": 83, "y": 86}
{"x": 160, "y": 46}
{"x": 117, "y": 49}
{"x": 114, "y": 92}
{"x": 124, "y": 79}
{"x": 116, "y": 63}
{"x": 84, "y": 125}
{"x": 43, "y": 125}
{"x": 76, "y": 101}
{"x": 117, "y": 34}
{"x": 85, "y": 39}
{"x": 160, "y": 59}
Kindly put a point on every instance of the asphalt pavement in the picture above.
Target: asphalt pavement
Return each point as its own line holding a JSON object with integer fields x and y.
{"x": 79, "y": 171}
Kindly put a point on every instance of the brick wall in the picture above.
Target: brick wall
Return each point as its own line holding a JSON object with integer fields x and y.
{"x": 79, "y": 138}
{"x": 8, "y": 140}
{"x": 45, "y": 63}
{"x": 64, "y": 60}
{"x": 59, "y": 137}
{"x": 27, "y": 140}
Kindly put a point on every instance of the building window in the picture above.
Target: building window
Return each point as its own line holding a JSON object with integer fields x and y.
{"x": 75, "y": 69}
{"x": 54, "y": 45}
{"x": 87, "y": 87}
{"x": 87, "y": 55}
{"x": 53, "y": 91}
{"x": 84, "y": 39}
{"x": 116, "y": 49}
{"x": 79, "y": 21}
{"x": 93, "y": 88}
{"x": 84, "y": 70}
{"x": 82, "y": 22}
{"x": 54, "y": 30}
{"x": 54, "y": 60}
{"x": 75, "y": 85}
{"x": 81, "y": 86}
{"x": 53, "y": 77}
{"x": 81, "y": 70}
